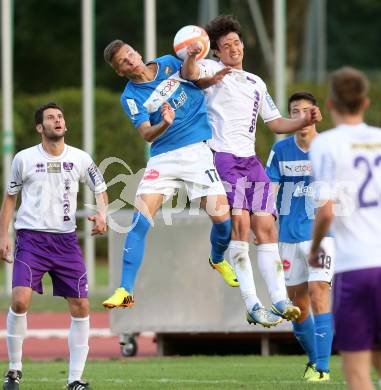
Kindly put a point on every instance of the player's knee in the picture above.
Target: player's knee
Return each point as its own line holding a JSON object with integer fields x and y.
{"x": 266, "y": 233}
{"x": 19, "y": 305}
{"x": 79, "y": 307}
{"x": 240, "y": 232}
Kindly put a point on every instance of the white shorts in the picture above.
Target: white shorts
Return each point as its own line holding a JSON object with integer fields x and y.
{"x": 191, "y": 165}
{"x": 295, "y": 262}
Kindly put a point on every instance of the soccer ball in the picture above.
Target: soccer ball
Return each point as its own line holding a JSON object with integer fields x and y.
{"x": 189, "y": 35}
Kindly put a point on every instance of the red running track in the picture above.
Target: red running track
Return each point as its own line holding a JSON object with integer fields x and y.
{"x": 101, "y": 347}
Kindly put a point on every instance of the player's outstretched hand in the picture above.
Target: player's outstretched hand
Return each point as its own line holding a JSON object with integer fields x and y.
{"x": 221, "y": 74}
{"x": 313, "y": 116}
{"x": 194, "y": 49}
{"x": 167, "y": 113}
{"x": 5, "y": 249}
{"x": 315, "y": 258}
{"x": 100, "y": 225}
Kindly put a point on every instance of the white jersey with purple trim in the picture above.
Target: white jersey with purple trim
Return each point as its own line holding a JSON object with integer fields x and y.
{"x": 346, "y": 165}
{"x": 49, "y": 187}
{"x": 233, "y": 107}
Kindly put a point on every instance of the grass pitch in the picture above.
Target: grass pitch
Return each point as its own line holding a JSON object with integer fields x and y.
{"x": 184, "y": 373}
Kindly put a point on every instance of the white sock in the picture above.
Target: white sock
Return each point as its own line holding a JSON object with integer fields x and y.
{"x": 16, "y": 331}
{"x": 239, "y": 258}
{"x": 271, "y": 269}
{"x": 78, "y": 341}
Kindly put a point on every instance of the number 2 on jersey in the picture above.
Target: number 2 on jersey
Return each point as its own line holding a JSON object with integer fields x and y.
{"x": 361, "y": 160}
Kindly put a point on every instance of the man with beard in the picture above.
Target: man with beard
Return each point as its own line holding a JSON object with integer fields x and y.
{"x": 48, "y": 176}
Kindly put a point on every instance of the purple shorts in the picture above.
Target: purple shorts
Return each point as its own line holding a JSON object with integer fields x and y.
{"x": 246, "y": 184}
{"x": 357, "y": 310}
{"x": 58, "y": 254}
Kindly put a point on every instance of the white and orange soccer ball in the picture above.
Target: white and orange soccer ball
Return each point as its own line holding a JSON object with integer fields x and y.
{"x": 187, "y": 36}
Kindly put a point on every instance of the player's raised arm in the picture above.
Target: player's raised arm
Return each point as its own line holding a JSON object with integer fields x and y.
{"x": 6, "y": 215}
{"x": 285, "y": 125}
{"x": 190, "y": 69}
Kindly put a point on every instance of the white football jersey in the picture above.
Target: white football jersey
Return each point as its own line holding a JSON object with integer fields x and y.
{"x": 233, "y": 107}
{"x": 346, "y": 164}
{"x": 49, "y": 186}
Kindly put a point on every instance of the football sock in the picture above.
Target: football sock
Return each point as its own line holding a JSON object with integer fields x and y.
{"x": 133, "y": 250}
{"x": 239, "y": 258}
{"x": 271, "y": 269}
{"x": 16, "y": 331}
{"x": 78, "y": 341}
{"x": 305, "y": 334}
{"x": 323, "y": 337}
{"x": 220, "y": 238}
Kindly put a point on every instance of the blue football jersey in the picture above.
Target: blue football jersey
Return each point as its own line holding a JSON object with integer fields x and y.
{"x": 289, "y": 166}
{"x": 142, "y": 102}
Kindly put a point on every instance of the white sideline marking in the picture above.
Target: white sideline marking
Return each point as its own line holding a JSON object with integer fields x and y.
{"x": 63, "y": 333}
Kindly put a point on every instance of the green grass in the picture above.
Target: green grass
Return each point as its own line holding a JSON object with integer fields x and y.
{"x": 184, "y": 373}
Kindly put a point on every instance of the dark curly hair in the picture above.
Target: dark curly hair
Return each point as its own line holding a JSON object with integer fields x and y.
{"x": 221, "y": 26}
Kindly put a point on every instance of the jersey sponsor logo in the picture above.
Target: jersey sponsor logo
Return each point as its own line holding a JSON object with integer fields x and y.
{"x": 54, "y": 167}
{"x": 40, "y": 167}
{"x": 180, "y": 100}
{"x": 295, "y": 168}
{"x": 67, "y": 166}
{"x": 255, "y": 112}
{"x": 302, "y": 190}
{"x": 167, "y": 87}
{"x": 286, "y": 264}
{"x": 270, "y": 102}
{"x": 162, "y": 93}
{"x": 151, "y": 174}
{"x": 132, "y": 106}
{"x": 95, "y": 175}
{"x": 66, "y": 203}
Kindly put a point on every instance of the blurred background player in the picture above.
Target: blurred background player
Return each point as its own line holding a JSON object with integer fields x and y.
{"x": 171, "y": 113}
{"x": 234, "y": 99}
{"x": 289, "y": 169}
{"x": 346, "y": 167}
{"x": 48, "y": 175}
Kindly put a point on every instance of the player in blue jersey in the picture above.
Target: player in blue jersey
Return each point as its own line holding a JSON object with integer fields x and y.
{"x": 289, "y": 168}
{"x": 170, "y": 112}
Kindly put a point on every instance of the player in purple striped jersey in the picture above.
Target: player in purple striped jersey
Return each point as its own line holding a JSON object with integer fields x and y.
{"x": 234, "y": 99}
{"x": 48, "y": 177}
{"x": 346, "y": 167}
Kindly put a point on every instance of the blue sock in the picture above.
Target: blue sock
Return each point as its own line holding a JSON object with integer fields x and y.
{"x": 133, "y": 250}
{"x": 305, "y": 334}
{"x": 323, "y": 337}
{"x": 220, "y": 238}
